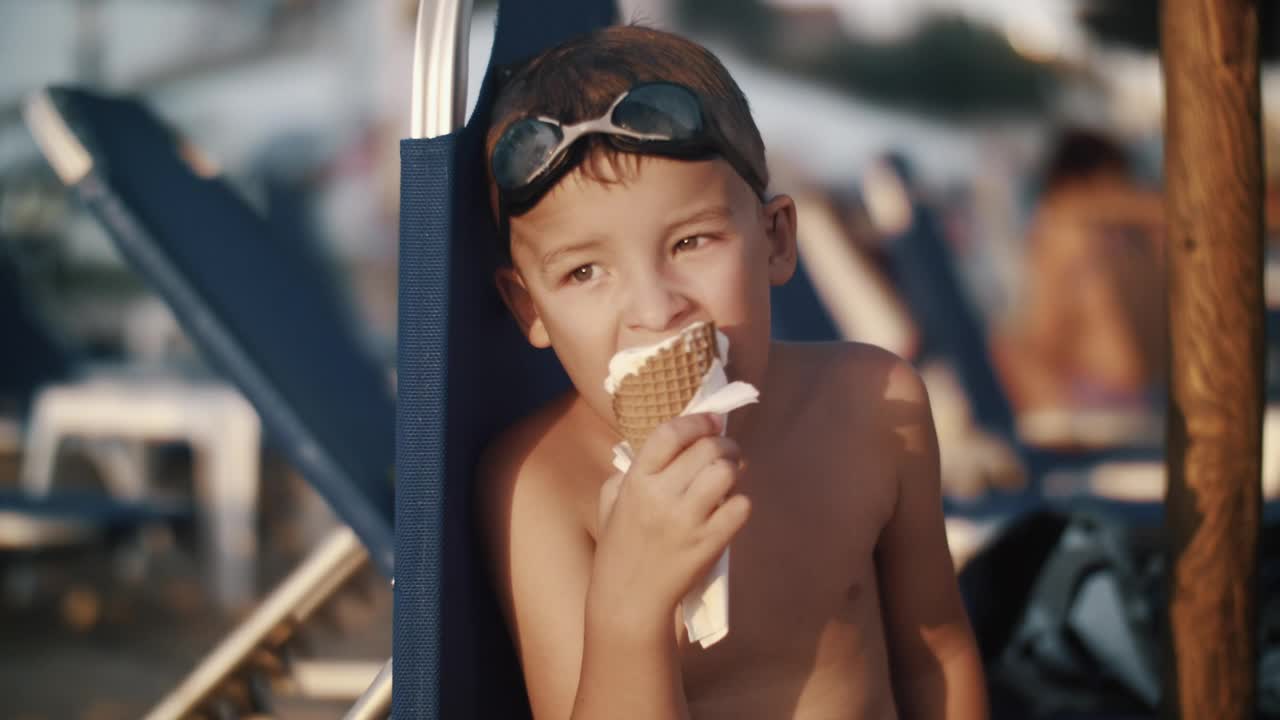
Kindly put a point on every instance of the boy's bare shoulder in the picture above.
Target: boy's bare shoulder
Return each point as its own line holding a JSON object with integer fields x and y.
{"x": 540, "y": 453}
{"x": 849, "y": 370}
{"x": 531, "y": 447}
{"x": 864, "y": 389}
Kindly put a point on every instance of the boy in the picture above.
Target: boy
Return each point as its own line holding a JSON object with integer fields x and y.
{"x": 621, "y": 232}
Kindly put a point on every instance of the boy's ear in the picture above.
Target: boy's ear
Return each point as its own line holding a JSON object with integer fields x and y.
{"x": 780, "y": 230}
{"x": 516, "y": 295}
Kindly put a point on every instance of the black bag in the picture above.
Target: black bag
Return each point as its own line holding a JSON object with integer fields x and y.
{"x": 1069, "y": 611}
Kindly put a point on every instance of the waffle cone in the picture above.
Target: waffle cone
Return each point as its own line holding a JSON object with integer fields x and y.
{"x": 664, "y": 385}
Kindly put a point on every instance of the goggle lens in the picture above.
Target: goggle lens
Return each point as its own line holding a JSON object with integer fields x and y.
{"x": 668, "y": 111}
{"x": 524, "y": 149}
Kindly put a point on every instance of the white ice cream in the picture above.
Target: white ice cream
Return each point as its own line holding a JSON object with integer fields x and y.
{"x": 629, "y": 361}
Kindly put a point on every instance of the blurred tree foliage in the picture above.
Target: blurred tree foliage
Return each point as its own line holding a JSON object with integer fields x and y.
{"x": 1136, "y": 24}
{"x": 946, "y": 67}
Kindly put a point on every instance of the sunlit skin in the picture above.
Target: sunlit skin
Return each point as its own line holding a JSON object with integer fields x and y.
{"x": 843, "y": 602}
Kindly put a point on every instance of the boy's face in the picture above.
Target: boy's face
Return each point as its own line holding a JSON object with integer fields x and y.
{"x": 604, "y": 266}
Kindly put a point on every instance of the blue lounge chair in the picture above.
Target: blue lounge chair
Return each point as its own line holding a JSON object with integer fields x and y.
{"x": 798, "y": 314}
{"x": 266, "y": 316}
{"x": 271, "y": 323}
{"x": 465, "y": 372}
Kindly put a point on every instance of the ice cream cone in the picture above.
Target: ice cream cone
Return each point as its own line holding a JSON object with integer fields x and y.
{"x": 663, "y": 385}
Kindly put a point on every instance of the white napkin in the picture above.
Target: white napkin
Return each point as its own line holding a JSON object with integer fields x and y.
{"x": 706, "y": 606}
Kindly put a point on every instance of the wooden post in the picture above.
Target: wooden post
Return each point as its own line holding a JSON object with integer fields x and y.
{"x": 1214, "y": 183}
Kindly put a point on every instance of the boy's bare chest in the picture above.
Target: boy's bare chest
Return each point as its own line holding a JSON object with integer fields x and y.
{"x": 804, "y": 604}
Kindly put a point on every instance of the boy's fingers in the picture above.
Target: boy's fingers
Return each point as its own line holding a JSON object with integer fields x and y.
{"x": 727, "y": 520}
{"x": 608, "y": 496}
{"x": 670, "y": 438}
{"x": 710, "y": 486}
{"x": 681, "y": 471}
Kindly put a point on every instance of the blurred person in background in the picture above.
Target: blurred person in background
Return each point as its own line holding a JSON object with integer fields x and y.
{"x": 1088, "y": 332}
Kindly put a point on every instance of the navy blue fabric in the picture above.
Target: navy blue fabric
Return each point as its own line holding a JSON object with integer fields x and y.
{"x": 92, "y": 508}
{"x": 465, "y": 372}
{"x": 99, "y": 516}
{"x": 269, "y": 320}
{"x": 798, "y": 314}
{"x": 33, "y": 354}
{"x": 950, "y": 326}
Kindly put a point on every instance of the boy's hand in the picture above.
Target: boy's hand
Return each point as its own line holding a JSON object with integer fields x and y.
{"x": 664, "y": 523}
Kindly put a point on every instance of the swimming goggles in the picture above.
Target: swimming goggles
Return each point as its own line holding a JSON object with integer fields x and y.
{"x": 659, "y": 118}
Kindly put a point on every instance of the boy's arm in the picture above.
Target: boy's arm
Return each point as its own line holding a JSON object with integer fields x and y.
{"x": 540, "y": 563}
{"x": 587, "y": 642}
{"x": 937, "y": 670}
{"x": 542, "y": 559}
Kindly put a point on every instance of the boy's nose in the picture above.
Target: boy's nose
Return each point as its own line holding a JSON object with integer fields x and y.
{"x": 656, "y": 307}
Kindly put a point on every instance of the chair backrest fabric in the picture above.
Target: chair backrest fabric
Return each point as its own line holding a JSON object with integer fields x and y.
{"x": 950, "y": 326}
{"x": 798, "y": 314}
{"x": 465, "y": 373}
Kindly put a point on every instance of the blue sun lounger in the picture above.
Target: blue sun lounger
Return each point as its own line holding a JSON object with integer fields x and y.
{"x": 264, "y": 314}
{"x": 465, "y": 372}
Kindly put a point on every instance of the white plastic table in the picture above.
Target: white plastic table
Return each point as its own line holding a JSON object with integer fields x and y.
{"x": 221, "y": 427}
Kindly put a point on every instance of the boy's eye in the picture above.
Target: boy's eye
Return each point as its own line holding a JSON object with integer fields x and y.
{"x": 692, "y": 242}
{"x": 582, "y": 274}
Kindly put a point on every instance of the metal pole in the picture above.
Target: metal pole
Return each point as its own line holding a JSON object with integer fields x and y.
{"x": 439, "y": 102}
{"x": 324, "y": 571}
{"x": 1214, "y": 182}
{"x": 375, "y": 703}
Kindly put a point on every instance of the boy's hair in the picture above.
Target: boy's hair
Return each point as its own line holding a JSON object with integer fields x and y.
{"x": 579, "y": 79}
